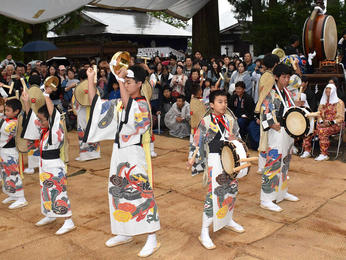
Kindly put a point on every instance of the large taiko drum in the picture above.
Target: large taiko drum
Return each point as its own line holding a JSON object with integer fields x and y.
{"x": 320, "y": 35}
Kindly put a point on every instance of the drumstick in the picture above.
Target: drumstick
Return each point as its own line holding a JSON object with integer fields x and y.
{"x": 293, "y": 63}
{"x": 300, "y": 93}
{"x": 313, "y": 114}
{"x": 237, "y": 169}
{"x": 159, "y": 123}
{"x": 95, "y": 77}
{"x": 9, "y": 87}
{"x": 193, "y": 157}
{"x": 25, "y": 88}
{"x": 14, "y": 97}
{"x": 145, "y": 59}
{"x": 249, "y": 159}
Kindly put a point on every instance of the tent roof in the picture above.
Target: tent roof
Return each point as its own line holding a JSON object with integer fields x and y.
{"x": 38, "y": 11}
{"x": 106, "y": 21}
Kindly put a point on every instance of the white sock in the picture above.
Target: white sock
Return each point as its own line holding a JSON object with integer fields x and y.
{"x": 206, "y": 222}
{"x": 117, "y": 239}
{"x": 68, "y": 223}
{"x": 150, "y": 245}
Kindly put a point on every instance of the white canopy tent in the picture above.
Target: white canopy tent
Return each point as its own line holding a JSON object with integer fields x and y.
{"x": 38, "y": 11}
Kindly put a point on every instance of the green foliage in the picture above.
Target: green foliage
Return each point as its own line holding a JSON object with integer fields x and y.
{"x": 12, "y": 32}
{"x": 169, "y": 19}
{"x": 274, "y": 24}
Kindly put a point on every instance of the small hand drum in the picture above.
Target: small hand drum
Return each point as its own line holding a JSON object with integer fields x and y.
{"x": 52, "y": 82}
{"x": 295, "y": 122}
{"x": 21, "y": 143}
{"x": 119, "y": 60}
{"x": 81, "y": 93}
{"x": 234, "y": 158}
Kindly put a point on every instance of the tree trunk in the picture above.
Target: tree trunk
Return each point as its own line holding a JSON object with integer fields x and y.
{"x": 206, "y": 30}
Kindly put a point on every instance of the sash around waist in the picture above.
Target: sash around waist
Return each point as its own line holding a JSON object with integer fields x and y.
{"x": 51, "y": 154}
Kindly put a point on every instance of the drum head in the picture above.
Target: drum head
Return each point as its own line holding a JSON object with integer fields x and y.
{"x": 229, "y": 158}
{"x": 295, "y": 122}
{"x": 197, "y": 112}
{"x": 330, "y": 38}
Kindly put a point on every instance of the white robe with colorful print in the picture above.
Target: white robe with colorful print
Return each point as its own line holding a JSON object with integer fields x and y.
{"x": 279, "y": 151}
{"x": 12, "y": 184}
{"x": 53, "y": 182}
{"x": 87, "y": 151}
{"x": 222, "y": 189}
{"x": 132, "y": 205}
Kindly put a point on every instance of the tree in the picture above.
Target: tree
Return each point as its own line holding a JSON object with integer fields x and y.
{"x": 205, "y": 30}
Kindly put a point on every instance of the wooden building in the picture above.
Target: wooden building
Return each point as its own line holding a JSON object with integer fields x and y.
{"x": 102, "y": 32}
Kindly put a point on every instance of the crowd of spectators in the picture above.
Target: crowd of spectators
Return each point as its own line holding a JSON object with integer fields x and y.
{"x": 172, "y": 81}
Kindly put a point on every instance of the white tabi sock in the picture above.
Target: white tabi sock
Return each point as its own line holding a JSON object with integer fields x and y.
{"x": 234, "y": 225}
{"x": 20, "y": 202}
{"x": 118, "y": 240}
{"x": 67, "y": 227}
{"x": 45, "y": 221}
{"x": 150, "y": 246}
{"x": 152, "y": 152}
{"x": 205, "y": 238}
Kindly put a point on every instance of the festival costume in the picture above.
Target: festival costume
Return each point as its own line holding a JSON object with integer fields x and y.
{"x": 278, "y": 153}
{"x": 132, "y": 205}
{"x": 222, "y": 189}
{"x": 87, "y": 151}
{"x": 12, "y": 184}
{"x": 54, "y": 199}
{"x": 332, "y": 110}
{"x": 178, "y": 129}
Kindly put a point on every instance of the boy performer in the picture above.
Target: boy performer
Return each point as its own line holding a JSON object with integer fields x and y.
{"x": 12, "y": 184}
{"x": 279, "y": 146}
{"x": 265, "y": 84}
{"x": 47, "y": 127}
{"x": 132, "y": 205}
{"x": 87, "y": 151}
{"x": 213, "y": 130}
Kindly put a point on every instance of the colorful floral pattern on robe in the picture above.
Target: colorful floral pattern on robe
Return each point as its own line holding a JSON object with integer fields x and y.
{"x": 133, "y": 209}
{"x": 328, "y": 112}
{"x": 54, "y": 198}
{"x": 222, "y": 189}
{"x": 278, "y": 154}
{"x": 12, "y": 184}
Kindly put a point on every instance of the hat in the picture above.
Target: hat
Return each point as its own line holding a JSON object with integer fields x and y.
{"x": 62, "y": 67}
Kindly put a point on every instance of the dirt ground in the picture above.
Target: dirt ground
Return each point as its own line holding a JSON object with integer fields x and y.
{"x": 313, "y": 228}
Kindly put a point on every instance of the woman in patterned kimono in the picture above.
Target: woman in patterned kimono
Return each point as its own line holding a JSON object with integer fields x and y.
{"x": 12, "y": 184}
{"x": 133, "y": 210}
{"x": 330, "y": 120}
{"x": 222, "y": 189}
{"x": 87, "y": 151}
{"x": 279, "y": 146}
{"x": 47, "y": 127}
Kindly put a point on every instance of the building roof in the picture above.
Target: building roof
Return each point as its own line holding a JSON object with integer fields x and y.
{"x": 106, "y": 21}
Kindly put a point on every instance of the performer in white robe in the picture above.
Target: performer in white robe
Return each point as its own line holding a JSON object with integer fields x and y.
{"x": 278, "y": 154}
{"x": 87, "y": 151}
{"x": 132, "y": 205}
{"x": 12, "y": 183}
{"x": 47, "y": 127}
{"x": 219, "y": 204}
{"x": 178, "y": 117}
